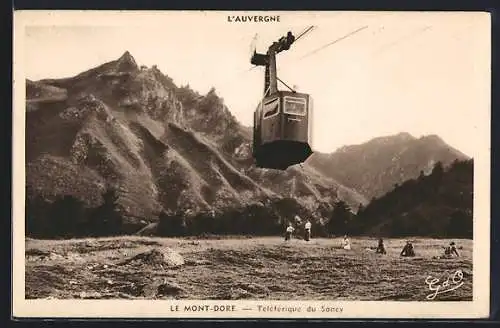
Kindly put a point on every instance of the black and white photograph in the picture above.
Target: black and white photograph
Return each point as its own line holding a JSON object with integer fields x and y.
{"x": 251, "y": 164}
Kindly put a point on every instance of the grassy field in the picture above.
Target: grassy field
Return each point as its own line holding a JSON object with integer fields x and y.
{"x": 240, "y": 268}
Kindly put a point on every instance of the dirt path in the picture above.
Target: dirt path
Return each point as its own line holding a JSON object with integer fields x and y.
{"x": 257, "y": 268}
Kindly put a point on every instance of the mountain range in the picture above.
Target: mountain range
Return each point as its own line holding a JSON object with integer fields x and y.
{"x": 165, "y": 147}
{"x": 374, "y": 167}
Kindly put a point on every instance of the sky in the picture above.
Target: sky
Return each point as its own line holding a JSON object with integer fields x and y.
{"x": 421, "y": 73}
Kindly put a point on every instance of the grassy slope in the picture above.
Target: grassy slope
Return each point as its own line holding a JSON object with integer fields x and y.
{"x": 259, "y": 268}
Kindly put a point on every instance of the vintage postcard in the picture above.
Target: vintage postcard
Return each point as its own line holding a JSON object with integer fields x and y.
{"x": 205, "y": 164}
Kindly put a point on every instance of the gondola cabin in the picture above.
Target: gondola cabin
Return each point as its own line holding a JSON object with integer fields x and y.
{"x": 282, "y": 120}
{"x": 282, "y": 130}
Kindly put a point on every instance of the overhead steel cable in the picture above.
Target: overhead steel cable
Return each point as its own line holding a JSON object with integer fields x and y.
{"x": 402, "y": 39}
{"x": 333, "y": 42}
{"x": 307, "y": 30}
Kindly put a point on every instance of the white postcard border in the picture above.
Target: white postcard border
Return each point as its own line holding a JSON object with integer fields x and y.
{"x": 478, "y": 308}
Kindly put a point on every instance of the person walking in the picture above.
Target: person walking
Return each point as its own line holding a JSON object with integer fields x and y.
{"x": 307, "y": 230}
{"x": 289, "y": 231}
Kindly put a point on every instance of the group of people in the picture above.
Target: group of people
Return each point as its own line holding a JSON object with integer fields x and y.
{"x": 449, "y": 251}
{"x": 407, "y": 251}
{"x": 290, "y": 229}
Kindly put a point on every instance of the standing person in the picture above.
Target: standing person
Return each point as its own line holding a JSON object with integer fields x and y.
{"x": 381, "y": 247}
{"x": 307, "y": 232}
{"x": 298, "y": 220}
{"x": 289, "y": 231}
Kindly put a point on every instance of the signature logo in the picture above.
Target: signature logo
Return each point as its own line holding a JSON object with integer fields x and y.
{"x": 452, "y": 282}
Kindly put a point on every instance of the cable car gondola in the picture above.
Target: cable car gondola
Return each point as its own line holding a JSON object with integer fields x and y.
{"x": 282, "y": 120}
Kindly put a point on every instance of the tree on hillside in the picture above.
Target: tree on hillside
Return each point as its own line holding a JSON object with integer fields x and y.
{"x": 65, "y": 217}
{"x": 461, "y": 225}
{"x": 438, "y": 169}
{"x": 361, "y": 207}
{"x": 203, "y": 223}
{"x": 264, "y": 221}
{"x": 341, "y": 218}
{"x": 210, "y": 102}
{"x": 187, "y": 96}
{"x": 212, "y": 92}
{"x": 106, "y": 220}
{"x": 437, "y": 174}
{"x": 36, "y": 216}
{"x": 171, "y": 224}
{"x": 438, "y": 205}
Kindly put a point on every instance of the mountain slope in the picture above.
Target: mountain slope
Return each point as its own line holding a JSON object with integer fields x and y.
{"x": 439, "y": 205}
{"x": 374, "y": 167}
{"x": 162, "y": 147}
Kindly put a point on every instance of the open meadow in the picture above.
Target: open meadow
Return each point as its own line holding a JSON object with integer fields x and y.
{"x": 265, "y": 268}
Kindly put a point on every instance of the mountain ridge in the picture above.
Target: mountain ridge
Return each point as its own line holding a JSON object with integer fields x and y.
{"x": 372, "y": 168}
{"x": 163, "y": 147}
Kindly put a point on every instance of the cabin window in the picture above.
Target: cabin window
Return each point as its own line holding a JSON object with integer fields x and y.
{"x": 271, "y": 107}
{"x": 295, "y": 106}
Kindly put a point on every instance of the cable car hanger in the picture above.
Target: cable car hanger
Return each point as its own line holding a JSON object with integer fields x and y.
{"x": 282, "y": 123}
{"x": 306, "y": 31}
{"x": 283, "y": 119}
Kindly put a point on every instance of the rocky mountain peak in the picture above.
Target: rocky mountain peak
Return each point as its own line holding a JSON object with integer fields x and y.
{"x": 432, "y": 138}
{"x": 405, "y": 136}
{"x": 126, "y": 63}
{"x": 168, "y": 147}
